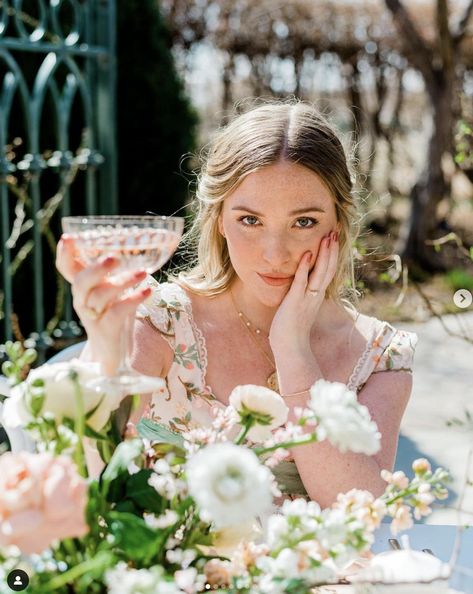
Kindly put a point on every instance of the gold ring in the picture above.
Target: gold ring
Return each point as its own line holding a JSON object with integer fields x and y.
{"x": 91, "y": 313}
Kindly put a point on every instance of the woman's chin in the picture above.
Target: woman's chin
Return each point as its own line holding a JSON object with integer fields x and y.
{"x": 272, "y": 296}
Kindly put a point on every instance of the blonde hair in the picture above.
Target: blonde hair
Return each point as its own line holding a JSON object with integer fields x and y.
{"x": 291, "y": 131}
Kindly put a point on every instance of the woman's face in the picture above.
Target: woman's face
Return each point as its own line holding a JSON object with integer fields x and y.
{"x": 265, "y": 235}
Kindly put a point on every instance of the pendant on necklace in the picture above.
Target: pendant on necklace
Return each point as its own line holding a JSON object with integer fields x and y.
{"x": 272, "y": 382}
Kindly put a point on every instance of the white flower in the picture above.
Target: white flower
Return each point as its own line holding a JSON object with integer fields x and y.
{"x": 124, "y": 580}
{"x": 229, "y": 484}
{"x": 363, "y": 506}
{"x": 60, "y": 397}
{"x": 342, "y": 420}
{"x": 168, "y": 518}
{"x": 267, "y": 407}
{"x": 300, "y": 563}
{"x": 298, "y": 520}
{"x": 228, "y": 540}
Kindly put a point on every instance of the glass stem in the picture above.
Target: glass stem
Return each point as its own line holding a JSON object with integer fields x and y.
{"x": 126, "y": 346}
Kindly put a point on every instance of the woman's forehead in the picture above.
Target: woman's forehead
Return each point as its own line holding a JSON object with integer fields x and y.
{"x": 292, "y": 186}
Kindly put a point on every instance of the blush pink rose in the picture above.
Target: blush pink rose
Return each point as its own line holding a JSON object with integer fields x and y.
{"x": 42, "y": 498}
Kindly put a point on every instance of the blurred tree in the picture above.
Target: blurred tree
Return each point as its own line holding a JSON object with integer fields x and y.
{"x": 156, "y": 123}
{"x": 437, "y": 64}
{"x": 295, "y": 47}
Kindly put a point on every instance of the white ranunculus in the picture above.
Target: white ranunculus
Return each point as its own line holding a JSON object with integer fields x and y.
{"x": 262, "y": 402}
{"x": 60, "y": 399}
{"x": 229, "y": 484}
{"x": 342, "y": 419}
{"x": 227, "y": 540}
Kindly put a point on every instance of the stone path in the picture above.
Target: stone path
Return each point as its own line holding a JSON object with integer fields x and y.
{"x": 443, "y": 389}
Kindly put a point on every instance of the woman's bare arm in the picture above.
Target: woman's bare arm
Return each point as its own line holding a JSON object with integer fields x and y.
{"x": 152, "y": 355}
{"x": 324, "y": 470}
{"x": 386, "y": 398}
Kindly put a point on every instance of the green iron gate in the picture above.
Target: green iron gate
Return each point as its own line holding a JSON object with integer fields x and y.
{"x": 58, "y": 147}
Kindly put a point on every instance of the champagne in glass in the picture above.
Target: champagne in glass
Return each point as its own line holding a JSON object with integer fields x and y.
{"x": 138, "y": 242}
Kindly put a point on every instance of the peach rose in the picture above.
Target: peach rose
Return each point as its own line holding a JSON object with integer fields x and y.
{"x": 42, "y": 498}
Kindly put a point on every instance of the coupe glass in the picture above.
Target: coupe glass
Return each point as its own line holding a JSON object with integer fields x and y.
{"x": 139, "y": 242}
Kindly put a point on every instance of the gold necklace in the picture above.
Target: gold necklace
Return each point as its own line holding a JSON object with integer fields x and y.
{"x": 272, "y": 379}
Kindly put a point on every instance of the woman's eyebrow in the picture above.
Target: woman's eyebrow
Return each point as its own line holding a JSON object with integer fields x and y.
{"x": 293, "y": 212}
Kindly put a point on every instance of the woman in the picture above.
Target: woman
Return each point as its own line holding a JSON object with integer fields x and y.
{"x": 265, "y": 301}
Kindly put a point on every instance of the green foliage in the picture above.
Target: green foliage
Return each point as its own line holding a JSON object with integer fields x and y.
{"x": 133, "y": 536}
{"x": 464, "y": 145}
{"x": 459, "y": 279}
{"x": 115, "y": 473}
{"x": 20, "y": 359}
{"x": 155, "y": 120}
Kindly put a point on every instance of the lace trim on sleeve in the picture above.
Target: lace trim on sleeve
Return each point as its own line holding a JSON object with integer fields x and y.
{"x": 199, "y": 337}
{"x": 351, "y": 385}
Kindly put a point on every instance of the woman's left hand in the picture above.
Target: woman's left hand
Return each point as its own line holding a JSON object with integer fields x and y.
{"x": 292, "y": 324}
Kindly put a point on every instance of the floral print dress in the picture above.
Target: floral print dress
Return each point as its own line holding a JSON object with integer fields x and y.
{"x": 187, "y": 402}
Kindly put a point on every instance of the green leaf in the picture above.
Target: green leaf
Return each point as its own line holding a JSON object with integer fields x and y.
{"x": 133, "y": 536}
{"x": 89, "y": 432}
{"x": 138, "y": 490}
{"x": 119, "y": 418}
{"x": 158, "y": 432}
{"x": 125, "y": 453}
{"x": 94, "y": 410}
{"x": 127, "y": 506}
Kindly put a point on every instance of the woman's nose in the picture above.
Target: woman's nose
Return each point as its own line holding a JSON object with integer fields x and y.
{"x": 275, "y": 250}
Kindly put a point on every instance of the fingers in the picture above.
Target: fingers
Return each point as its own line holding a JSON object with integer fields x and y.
{"x": 101, "y": 296}
{"x": 67, "y": 261}
{"x": 89, "y": 277}
{"x": 128, "y": 304}
{"x": 326, "y": 263}
{"x": 333, "y": 260}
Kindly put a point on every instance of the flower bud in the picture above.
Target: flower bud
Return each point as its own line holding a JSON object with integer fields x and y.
{"x": 421, "y": 466}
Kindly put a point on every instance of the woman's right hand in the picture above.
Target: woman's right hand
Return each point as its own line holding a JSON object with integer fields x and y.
{"x": 99, "y": 300}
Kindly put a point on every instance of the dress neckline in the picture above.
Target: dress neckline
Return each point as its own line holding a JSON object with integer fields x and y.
{"x": 376, "y": 331}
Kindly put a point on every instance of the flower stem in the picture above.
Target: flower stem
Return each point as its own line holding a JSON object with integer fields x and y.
{"x": 75, "y": 572}
{"x": 244, "y": 431}
{"x": 311, "y": 438}
{"x": 79, "y": 427}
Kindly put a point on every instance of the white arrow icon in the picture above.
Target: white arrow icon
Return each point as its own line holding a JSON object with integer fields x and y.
{"x": 463, "y": 298}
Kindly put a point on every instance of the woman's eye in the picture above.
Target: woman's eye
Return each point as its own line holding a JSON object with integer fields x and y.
{"x": 309, "y": 222}
{"x": 247, "y": 217}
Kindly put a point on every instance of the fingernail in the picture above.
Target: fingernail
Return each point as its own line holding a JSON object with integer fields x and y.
{"x": 109, "y": 260}
{"x": 336, "y": 236}
{"x": 140, "y": 274}
{"x": 146, "y": 291}
{"x": 327, "y": 241}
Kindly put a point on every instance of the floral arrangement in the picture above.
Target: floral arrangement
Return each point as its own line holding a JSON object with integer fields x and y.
{"x": 175, "y": 513}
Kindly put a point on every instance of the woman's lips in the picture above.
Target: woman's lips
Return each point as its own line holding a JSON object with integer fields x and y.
{"x": 276, "y": 281}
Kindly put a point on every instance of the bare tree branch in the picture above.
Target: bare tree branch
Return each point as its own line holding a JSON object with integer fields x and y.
{"x": 462, "y": 25}
{"x": 419, "y": 53}
{"x": 444, "y": 35}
